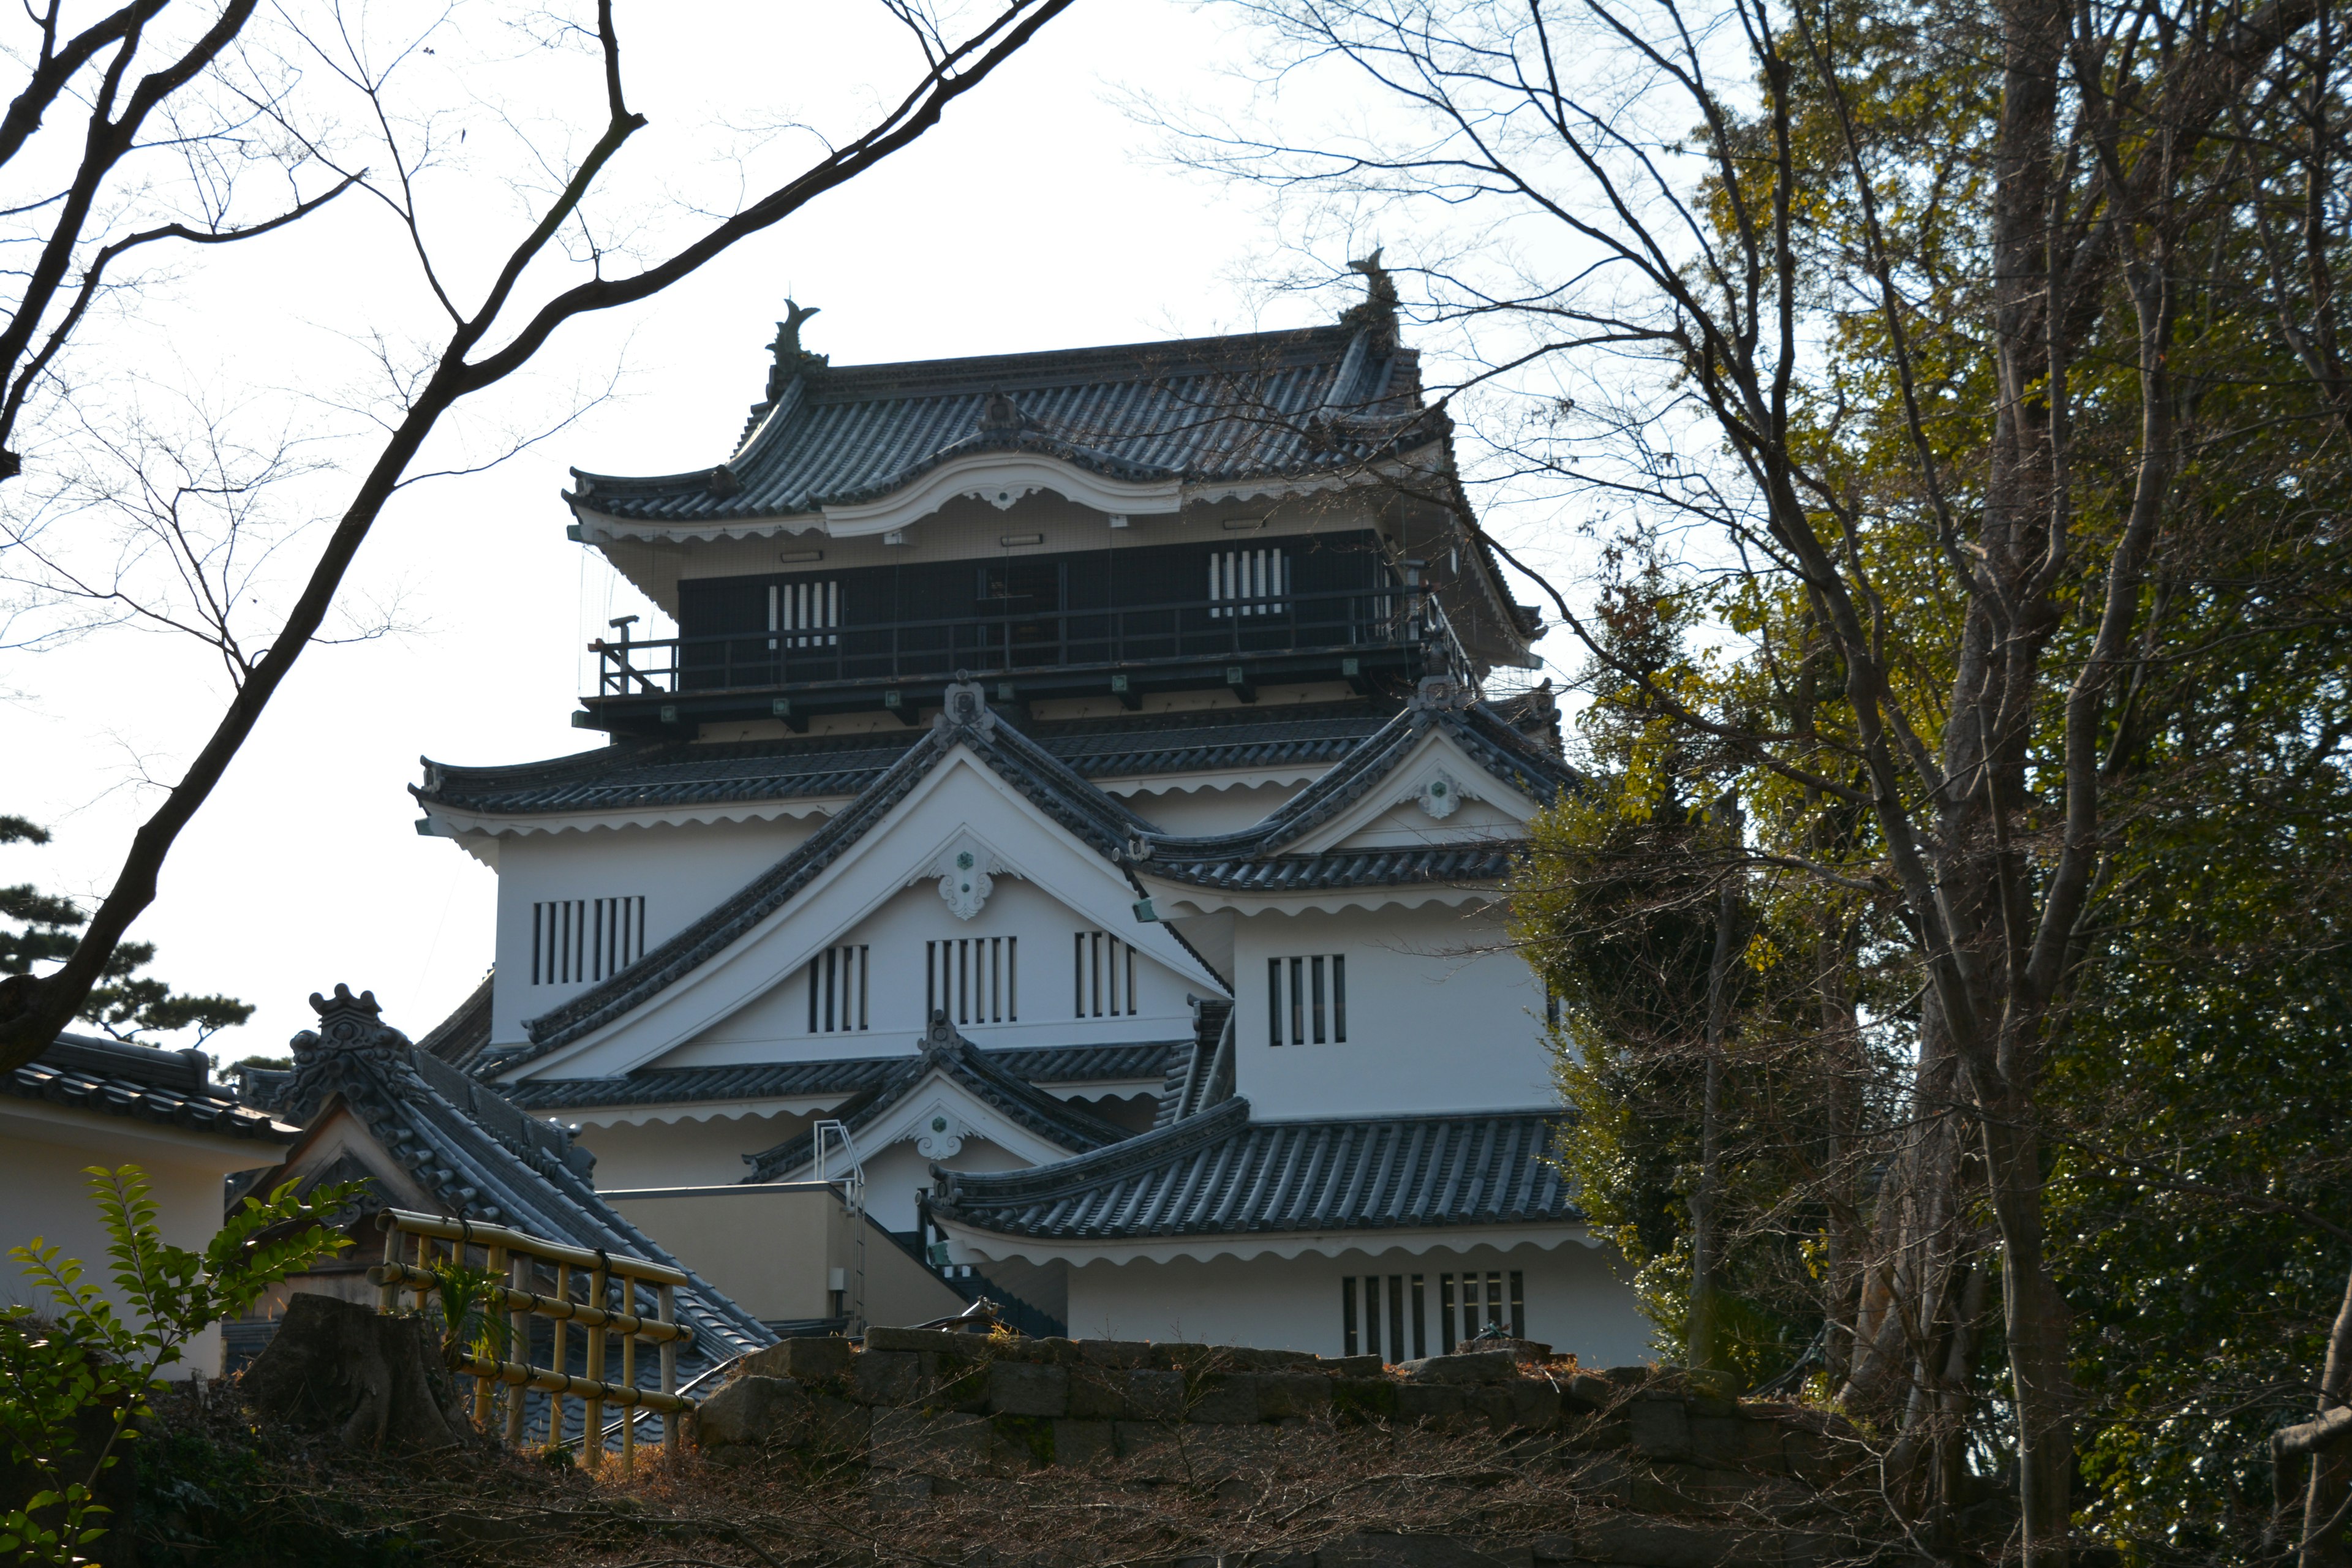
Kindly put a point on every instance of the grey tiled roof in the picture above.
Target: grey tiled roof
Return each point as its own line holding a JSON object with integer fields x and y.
{"x": 1443, "y": 865}
{"x": 1087, "y": 813}
{"x": 460, "y": 1038}
{"x": 143, "y": 1083}
{"x": 1258, "y": 859}
{"x": 1320, "y": 400}
{"x": 979, "y": 1073}
{"x": 1217, "y": 1173}
{"x": 652, "y": 774}
{"x": 481, "y": 1157}
{"x": 770, "y": 1080}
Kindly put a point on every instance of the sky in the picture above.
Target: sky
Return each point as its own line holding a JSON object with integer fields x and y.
{"x": 1039, "y": 214}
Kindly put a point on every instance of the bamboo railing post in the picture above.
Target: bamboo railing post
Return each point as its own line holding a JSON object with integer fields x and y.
{"x": 387, "y": 1295}
{"x": 423, "y": 1261}
{"x": 561, "y": 1360}
{"x": 629, "y": 1382}
{"x": 591, "y": 1435}
{"x": 493, "y": 1263}
{"x": 667, "y": 1313}
{"x": 521, "y": 1332}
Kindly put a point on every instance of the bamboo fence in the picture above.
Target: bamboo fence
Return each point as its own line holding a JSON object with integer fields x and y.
{"x": 586, "y": 1281}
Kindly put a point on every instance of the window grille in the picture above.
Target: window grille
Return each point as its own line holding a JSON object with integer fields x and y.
{"x": 1257, "y": 577}
{"x": 1400, "y": 1300}
{"x": 973, "y": 979}
{"x": 1483, "y": 1304}
{"x": 1307, "y": 999}
{"x": 1102, "y": 976}
{"x": 838, "y": 990}
{"x": 810, "y": 609}
{"x": 585, "y": 940}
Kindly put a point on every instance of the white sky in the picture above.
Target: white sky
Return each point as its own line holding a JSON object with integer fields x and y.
{"x": 1036, "y": 217}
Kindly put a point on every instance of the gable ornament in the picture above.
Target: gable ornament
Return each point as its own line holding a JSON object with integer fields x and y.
{"x": 939, "y": 1133}
{"x": 966, "y": 873}
{"x": 1440, "y": 794}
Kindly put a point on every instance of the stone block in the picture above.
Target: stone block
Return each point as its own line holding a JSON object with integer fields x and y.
{"x": 837, "y": 1426}
{"x": 1115, "y": 1353}
{"x": 754, "y": 1411}
{"x": 1223, "y": 1398}
{"x": 1148, "y": 1443}
{"x": 805, "y": 1359}
{"x": 1734, "y": 1443}
{"x": 1819, "y": 1459}
{"x": 1083, "y": 1442}
{"x": 1364, "y": 1398}
{"x": 1529, "y": 1405}
{"x": 1022, "y": 1388}
{"x": 1251, "y": 1360}
{"x": 1638, "y": 1542}
{"x": 1553, "y": 1549}
{"x": 949, "y": 1339}
{"x": 1660, "y": 1429}
{"x": 1603, "y": 1478}
{"x": 1098, "y": 1393}
{"x": 1290, "y": 1395}
{"x": 1151, "y": 1395}
{"x": 1370, "y": 1551}
{"x": 912, "y": 1440}
{"x": 886, "y": 1377}
{"x": 953, "y": 1379}
{"x": 1435, "y": 1402}
{"x": 1353, "y": 1365}
{"x": 1474, "y": 1366}
{"x": 1182, "y": 1355}
{"x": 1629, "y": 1376}
{"x": 1054, "y": 1351}
{"x": 1590, "y": 1393}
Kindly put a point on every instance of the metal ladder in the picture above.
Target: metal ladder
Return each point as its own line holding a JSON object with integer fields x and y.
{"x": 853, "y": 1198}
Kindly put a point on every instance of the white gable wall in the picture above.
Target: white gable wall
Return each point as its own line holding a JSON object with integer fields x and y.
{"x": 1409, "y": 826}
{"x": 1437, "y": 1019}
{"x": 1042, "y": 992}
{"x": 681, "y": 872}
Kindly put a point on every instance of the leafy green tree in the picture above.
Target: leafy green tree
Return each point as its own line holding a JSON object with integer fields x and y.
{"x": 88, "y": 1356}
{"x": 125, "y": 1003}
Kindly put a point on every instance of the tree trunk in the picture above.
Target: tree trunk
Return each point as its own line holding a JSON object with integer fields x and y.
{"x": 2330, "y": 1489}
{"x": 375, "y": 1382}
{"x": 1704, "y": 1348}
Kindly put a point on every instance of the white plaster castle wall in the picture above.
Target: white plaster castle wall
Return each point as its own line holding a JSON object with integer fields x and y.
{"x": 681, "y": 872}
{"x": 895, "y": 1175}
{"x": 1200, "y": 813}
{"x": 1574, "y": 1302}
{"x": 775, "y": 1028}
{"x": 684, "y": 1154}
{"x": 1435, "y": 1024}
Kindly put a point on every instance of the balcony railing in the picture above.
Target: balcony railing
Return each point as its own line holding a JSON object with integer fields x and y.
{"x": 990, "y": 647}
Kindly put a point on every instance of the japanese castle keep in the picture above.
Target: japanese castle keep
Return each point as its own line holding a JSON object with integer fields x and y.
{"x": 1064, "y": 842}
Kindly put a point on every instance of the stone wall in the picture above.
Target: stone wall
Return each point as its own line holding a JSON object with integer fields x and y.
{"x": 1632, "y": 1466}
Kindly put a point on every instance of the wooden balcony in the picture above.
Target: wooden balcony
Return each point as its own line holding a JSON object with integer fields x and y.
{"x": 1392, "y": 634}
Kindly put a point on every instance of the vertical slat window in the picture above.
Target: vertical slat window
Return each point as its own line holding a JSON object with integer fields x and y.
{"x": 1406, "y": 1314}
{"x": 840, "y": 990}
{"x": 973, "y": 979}
{"x": 1256, "y": 579}
{"x": 1307, "y": 1000}
{"x": 1102, "y": 976}
{"x": 811, "y": 610}
{"x": 576, "y": 941}
{"x": 1518, "y": 1305}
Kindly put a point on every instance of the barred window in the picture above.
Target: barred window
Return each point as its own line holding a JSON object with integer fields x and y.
{"x": 1257, "y": 577}
{"x": 1307, "y": 999}
{"x": 1103, "y": 976}
{"x": 1399, "y": 1300}
{"x": 1483, "y": 1305}
{"x": 838, "y": 990}
{"x": 812, "y": 609}
{"x": 577, "y": 940}
{"x": 973, "y": 979}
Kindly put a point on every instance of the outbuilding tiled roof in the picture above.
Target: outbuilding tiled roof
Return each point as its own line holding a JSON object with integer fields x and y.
{"x": 980, "y": 1073}
{"x": 460, "y": 1038}
{"x": 778, "y": 1080}
{"x": 1317, "y": 401}
{"x": 648, "y": 775}
{"x": 116, "y": 1078}
{"x": 1217, "y": 1173}
{"x": 482, "y": 1157}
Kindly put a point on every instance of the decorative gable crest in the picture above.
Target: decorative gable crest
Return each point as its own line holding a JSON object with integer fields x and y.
{"x": 966, "y": 872}
{"x": 939, "y": 1132}
{"x": 1440, "y": 794}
